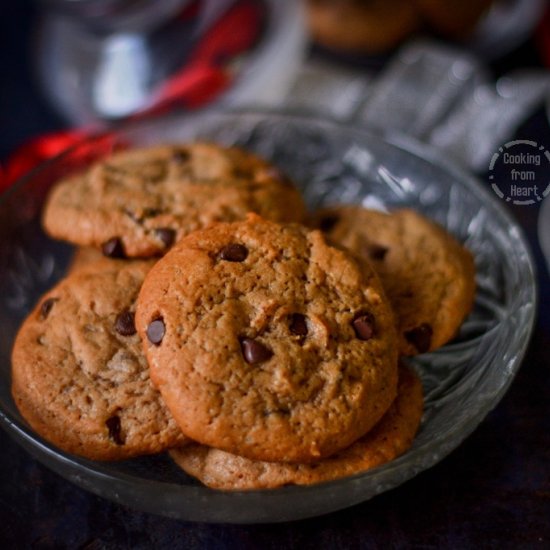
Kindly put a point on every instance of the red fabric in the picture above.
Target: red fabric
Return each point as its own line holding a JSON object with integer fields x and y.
{"x": 87, "y": 148}
{"x": 207, "y": 75}
{"x": 198, "y": 83}
{"x": 35, "y": 152}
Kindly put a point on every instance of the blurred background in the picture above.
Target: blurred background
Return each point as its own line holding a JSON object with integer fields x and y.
{"x": 460, "y": 74}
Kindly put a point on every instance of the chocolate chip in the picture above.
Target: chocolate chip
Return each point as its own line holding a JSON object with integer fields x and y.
{"x": 298, "y": 324}
{"x": 254, "y": 352}
{"x": 124, "y": 323}
{"x": 420, "y": 337}
{"x": 46, "y": 307}
{"x": 167, "y": 235}
{"x": 363, "y": 324}
{"x": 113, "y": 425}
{"x": 156, "y": 331}
{"x": 233, "y": 253}
{"x": 113, "y": 248}
{"x": 328, "y": 222}
{"x": 377, "y": 252}
{"x": 180, "y": 156}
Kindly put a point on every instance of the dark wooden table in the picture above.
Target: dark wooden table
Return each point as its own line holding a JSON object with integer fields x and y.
{"x": 491, "y": 492}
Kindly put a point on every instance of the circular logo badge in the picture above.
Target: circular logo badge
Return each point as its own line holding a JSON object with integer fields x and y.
{"x": 518, "y": 172}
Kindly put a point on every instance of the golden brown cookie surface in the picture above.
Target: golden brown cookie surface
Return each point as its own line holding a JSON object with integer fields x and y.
{"x": 266, "y": 341}
{"x": 428, "y": 276}
{"x": 139, "y": 202}
{"x": 79, "y": 376}
{"x": 391, "y": 437}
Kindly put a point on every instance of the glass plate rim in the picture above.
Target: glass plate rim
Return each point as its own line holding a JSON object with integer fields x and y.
{"x": 43, "y": 450}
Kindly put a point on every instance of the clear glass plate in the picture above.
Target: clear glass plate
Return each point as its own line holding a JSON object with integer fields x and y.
{"x": 332, "y": 163}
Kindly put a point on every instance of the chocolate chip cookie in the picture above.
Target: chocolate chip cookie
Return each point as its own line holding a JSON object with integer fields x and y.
{"x": 428, "y": 276}
{"x": 79, "y": 376}
{"x": 266, "y": 342}
{"x": 391, "y": 437}
{"x": 138, "y": 203}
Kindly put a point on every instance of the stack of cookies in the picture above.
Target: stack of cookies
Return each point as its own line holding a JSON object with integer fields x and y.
{"x": 211, "y": 316}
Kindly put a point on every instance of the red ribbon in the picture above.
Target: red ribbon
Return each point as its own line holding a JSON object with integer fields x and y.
{"x": 207, "y": 73}
{"x": 36, "y": 151}
{"x": 199, "y": 82}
